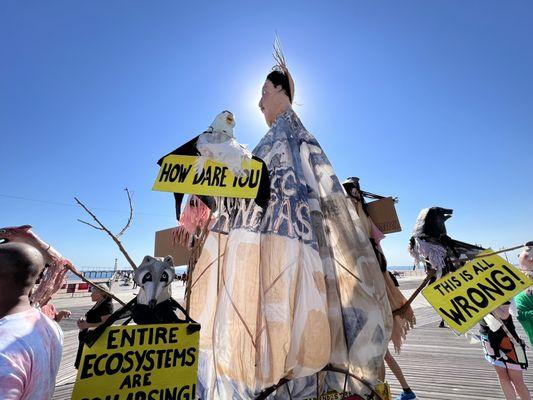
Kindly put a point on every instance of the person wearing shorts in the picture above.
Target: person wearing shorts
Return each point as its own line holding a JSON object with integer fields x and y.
{"x": 505, "y": 351}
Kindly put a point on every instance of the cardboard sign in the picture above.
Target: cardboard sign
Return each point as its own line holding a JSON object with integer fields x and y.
{"x": 178, "y": 174}
{"x": 165, "y": 246}
{"x": 464, "y": 297}
{"x": 140, "y": 362}
{"x": 383, "y": 214}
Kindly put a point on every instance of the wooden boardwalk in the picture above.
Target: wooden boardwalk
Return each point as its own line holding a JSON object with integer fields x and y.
{"x": 437, "y": 364}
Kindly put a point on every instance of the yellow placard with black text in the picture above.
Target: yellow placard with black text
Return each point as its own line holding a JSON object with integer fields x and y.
{"x": 140, "y": 362}
{"x": 178, "y": 174}
{"x": 465, "y": 296}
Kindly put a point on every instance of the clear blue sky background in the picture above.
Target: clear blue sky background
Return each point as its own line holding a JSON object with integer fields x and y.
{"x": 430, "y": 101}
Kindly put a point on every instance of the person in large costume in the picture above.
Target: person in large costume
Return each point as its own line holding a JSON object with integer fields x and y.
{"x": 283, "y": 291}
{"x": 402, "y": 321}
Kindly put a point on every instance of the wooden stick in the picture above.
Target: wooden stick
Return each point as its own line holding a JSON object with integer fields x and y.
{"x": 218, "y": 265}
{"x": 400, "y": 310}
{"x": 115, "y": 239}
{"x": 87, "y": 280}
{"x": 489, "y": 254}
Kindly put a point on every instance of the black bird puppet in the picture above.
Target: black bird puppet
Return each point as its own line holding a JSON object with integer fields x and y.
{"x": 431, "y": 245}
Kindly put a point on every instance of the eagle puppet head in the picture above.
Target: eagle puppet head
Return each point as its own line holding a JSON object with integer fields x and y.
{"x": 154, "y": 277}
{"x": 223, "y": 124}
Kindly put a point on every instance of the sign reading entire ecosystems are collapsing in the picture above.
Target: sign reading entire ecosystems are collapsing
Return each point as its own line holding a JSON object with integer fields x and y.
{"x": 140, "y": 362}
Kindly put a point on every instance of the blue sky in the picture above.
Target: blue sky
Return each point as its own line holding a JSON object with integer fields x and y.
{"x": 429, "y": 101}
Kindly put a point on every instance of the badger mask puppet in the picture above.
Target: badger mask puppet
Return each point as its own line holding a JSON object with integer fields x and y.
{"x": 154, "y": 278}
{"x": 153, "y": 304}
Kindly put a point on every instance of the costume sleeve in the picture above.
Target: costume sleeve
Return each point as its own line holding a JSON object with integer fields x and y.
{"x": 13, "y": 374}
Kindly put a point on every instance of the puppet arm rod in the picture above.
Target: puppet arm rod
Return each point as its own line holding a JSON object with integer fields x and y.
{"x": 401, "y": 310}
{"x": 488, "y": 254}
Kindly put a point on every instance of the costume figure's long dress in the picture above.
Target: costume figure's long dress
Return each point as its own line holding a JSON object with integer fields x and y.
{"x": 406, "y": 321}
{"x": 283, "y": 291}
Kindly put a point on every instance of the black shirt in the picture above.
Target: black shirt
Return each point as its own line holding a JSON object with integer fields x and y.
{"x": 95, "y": 314}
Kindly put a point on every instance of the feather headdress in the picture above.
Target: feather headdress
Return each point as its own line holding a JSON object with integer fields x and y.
{"x": 282, "y": 65}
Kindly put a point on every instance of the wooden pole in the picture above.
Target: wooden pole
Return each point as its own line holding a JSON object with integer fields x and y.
{"x": 84, "y": 279}
{"x": 489, "y": 254}
{"x": 400, "y": 310}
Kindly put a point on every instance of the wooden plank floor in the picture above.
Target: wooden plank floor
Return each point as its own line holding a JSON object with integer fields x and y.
{"x": 437, "y": 364}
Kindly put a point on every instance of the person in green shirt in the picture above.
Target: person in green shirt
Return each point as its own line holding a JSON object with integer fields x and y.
{"x": 524, "y": 301}
{"x": 524, "y": 305}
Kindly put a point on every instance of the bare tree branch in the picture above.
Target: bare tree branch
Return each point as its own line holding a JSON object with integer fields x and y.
{"x": 91, "y": 225}
{"x": 115, "y": 239}
{"x": 130, "y": 217}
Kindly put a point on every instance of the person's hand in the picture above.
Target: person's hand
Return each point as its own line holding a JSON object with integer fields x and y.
{"x": 62, "y": 314}
{"x": 82, "y": 324}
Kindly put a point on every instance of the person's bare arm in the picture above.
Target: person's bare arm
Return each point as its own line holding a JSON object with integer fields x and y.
{"x": 62, "y": 314}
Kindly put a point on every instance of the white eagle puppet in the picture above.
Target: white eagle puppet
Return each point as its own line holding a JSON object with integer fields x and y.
{"x": 218, "y": 144}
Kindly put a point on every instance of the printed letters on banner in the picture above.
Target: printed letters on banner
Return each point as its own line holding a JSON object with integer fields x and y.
{"x": 140, "y": 362}
{"x": 465, "y": 296}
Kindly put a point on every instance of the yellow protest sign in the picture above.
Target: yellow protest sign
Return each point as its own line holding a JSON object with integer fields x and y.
{"x": 465, "y": 296}
{"x": 140, "y": 362}
{"x": 178, "y": 174}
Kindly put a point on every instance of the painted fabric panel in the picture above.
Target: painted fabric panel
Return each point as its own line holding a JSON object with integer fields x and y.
{"x": 283, "y": 291}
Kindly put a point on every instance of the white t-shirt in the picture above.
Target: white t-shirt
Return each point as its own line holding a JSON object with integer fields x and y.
{"x": 30, "y": 353}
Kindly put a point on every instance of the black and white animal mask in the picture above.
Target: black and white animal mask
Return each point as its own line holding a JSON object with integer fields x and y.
{"x": 154, "y": 277}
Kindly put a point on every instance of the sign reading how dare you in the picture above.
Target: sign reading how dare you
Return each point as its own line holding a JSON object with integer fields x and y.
{"x": 140, "y": 362}
{"x": 464, "y": 297}
{"x": 178, "y": 174}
